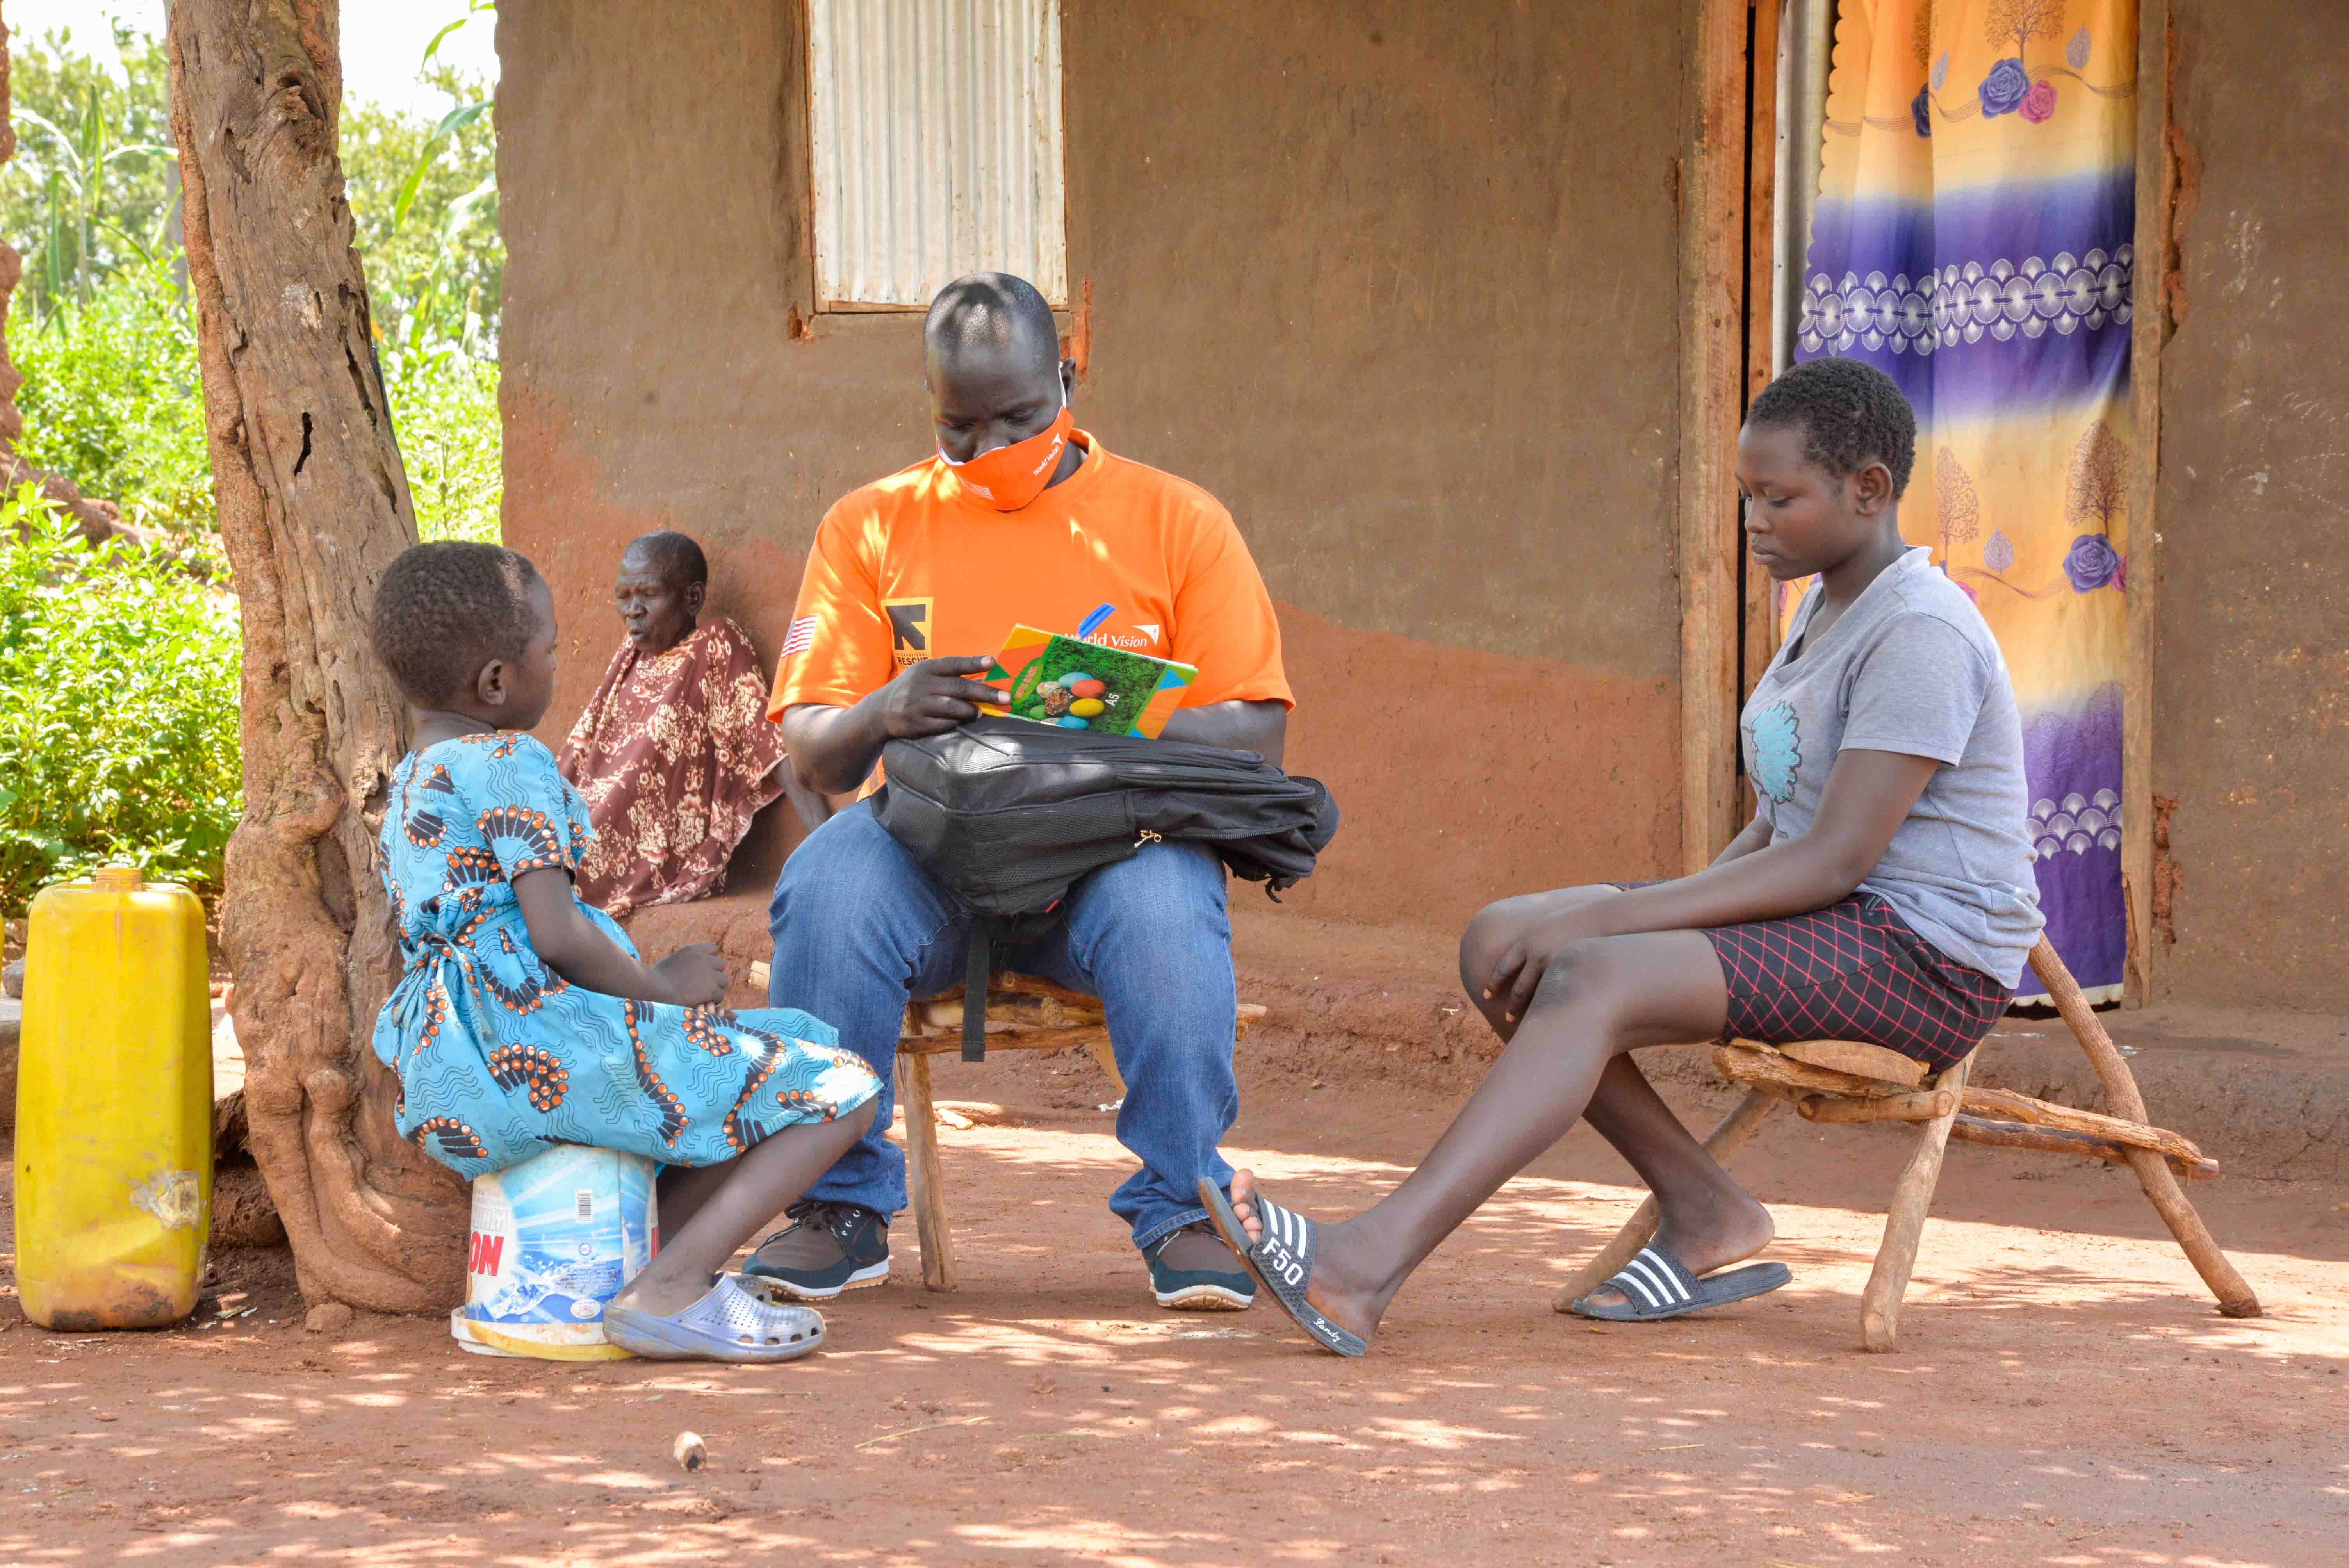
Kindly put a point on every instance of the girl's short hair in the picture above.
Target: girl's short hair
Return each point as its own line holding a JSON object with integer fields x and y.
{"x": 446, "y": 609}
{"x": 1850, "y": 413}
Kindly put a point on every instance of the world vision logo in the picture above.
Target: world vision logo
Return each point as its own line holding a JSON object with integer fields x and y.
{"x": 1149, "y": 638}
{"x": 909, "y": 629}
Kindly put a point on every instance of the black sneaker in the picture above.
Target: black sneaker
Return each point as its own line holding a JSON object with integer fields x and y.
{"x": 826, "y": 1249}
{"x": 1226, "y": 1287}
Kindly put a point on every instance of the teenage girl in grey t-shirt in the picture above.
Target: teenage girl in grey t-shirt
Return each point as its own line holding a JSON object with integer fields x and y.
{"x": 1882, "y": 892}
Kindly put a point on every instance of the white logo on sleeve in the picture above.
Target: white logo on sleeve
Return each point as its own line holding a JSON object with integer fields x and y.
{"x": 1145, "y": 634}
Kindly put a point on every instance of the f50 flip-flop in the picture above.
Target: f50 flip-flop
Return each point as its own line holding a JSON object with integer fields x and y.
{"x": 1656, "y": 1285}
{"x": 730, "y": 1324}
{"x": 1282, "y": 1261}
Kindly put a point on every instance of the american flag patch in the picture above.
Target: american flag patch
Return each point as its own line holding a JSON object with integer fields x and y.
{"x": 803, "y": 636}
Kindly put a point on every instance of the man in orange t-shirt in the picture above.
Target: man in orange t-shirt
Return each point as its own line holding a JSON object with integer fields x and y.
{"x": 913, "y": 583}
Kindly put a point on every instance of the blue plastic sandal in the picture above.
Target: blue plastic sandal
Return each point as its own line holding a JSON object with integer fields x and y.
{"x": 730, "y": 1324}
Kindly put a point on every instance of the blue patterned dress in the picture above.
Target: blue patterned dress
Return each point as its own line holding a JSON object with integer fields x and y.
{"x": 498, "y": 1056}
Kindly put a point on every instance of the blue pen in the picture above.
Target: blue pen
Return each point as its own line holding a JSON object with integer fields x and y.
{"x": 1092, "y": 621}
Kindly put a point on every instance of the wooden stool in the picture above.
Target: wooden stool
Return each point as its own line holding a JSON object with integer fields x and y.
{"x": 1848, "y": 1081}
{"x": 1023, "y": 1013}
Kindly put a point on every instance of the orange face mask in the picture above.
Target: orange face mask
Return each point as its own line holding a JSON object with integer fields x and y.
{"x": 1008, "y": 478}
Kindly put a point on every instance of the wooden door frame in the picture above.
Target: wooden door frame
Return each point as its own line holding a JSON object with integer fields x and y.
{"x": 1715, "y": 279}
{"x": 2144, "y": 860}
{"x": 1728, "y": 258}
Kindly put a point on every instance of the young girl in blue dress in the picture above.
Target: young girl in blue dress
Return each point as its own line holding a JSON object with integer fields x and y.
{"x": 524, "y": 1019}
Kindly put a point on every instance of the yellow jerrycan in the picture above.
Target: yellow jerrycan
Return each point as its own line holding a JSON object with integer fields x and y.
{"x": 114, "y": 1106}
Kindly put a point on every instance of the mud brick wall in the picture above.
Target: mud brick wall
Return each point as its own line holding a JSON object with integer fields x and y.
{"x": 2252, "y": 654}
{"x": 1396, "y": 282}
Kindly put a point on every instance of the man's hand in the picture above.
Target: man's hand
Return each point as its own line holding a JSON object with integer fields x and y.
{"x": 834, "y": 748}
{"x": 694, "y": 977}
{"x": 934, "y": 696}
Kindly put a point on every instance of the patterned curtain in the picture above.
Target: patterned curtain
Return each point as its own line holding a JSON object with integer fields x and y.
{"x": 1973, "y": 238}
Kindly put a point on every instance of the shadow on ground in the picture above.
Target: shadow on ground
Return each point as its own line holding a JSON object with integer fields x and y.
{"x": 2062, "y": 1394}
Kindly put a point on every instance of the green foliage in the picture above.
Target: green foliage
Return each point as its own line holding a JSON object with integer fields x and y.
{"x": 445, "y": 403}
{"x": 117, "y": 710}
{"x": 94, "y": 181}
{"x": 111, "y": 397}
{"x": 81, "y": 201}
{"x": 423, "y": 193}
{"x": 118, "y": 668}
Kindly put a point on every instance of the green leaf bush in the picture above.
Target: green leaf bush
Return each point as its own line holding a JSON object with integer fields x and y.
{"x": 119, "y": 668}
{"x": 112, "y": 398}
{"x": 118, "y": 709}
{"x": 444, "y": 409}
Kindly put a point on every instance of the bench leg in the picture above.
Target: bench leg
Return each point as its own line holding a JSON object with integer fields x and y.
{"x": 1887, "y": 1282}
{"x": 2236, "y": 1298}
{"x": 922, "y": 1166}
{"x": 1099, "y": 1047}
{"x": 1735, "y": 1127}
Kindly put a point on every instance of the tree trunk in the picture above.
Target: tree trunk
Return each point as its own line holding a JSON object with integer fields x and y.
{"x": 314, "y": 506}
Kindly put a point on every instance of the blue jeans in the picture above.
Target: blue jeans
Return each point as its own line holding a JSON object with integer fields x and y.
{"x": 860, "y": 927}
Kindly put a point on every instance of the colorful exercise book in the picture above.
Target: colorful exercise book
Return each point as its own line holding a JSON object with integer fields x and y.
{"x": 1076, "y": 685}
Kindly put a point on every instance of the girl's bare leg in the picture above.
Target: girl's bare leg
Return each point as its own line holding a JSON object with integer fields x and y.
{"x": 685, "y": 1187}
{"x": 708, "y": 1212}
{"x": 1603, "y": 998}
{"x": 1707, "y": 1220}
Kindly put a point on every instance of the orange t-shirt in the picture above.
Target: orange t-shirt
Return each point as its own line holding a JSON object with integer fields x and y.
{"x": 912, "y": 568}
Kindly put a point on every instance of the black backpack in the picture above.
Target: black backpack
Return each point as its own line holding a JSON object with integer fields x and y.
{"x": 1007, "y": 813}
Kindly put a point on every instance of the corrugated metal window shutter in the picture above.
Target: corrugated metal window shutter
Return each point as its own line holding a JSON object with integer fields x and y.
{"x": 937, "y": 139}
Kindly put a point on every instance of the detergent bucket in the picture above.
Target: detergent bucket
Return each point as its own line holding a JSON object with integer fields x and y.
{"x": 554, "y": 1239}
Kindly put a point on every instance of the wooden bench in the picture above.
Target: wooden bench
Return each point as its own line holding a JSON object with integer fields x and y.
{"x": 1024, "y": 1013}
{"x": 1841, "y": 1081}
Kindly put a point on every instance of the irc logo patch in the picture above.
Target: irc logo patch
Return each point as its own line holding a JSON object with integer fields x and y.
{"x": 909, "y": 629}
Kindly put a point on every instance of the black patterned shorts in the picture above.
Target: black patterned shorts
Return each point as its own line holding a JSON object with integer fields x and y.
{"x": 1853, "y": 971}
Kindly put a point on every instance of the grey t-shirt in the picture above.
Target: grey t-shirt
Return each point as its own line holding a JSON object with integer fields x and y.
{"x": 1910, "y": 667}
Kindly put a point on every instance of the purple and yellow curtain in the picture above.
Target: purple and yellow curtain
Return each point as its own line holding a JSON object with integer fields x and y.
{"x": 1972, "y": 237}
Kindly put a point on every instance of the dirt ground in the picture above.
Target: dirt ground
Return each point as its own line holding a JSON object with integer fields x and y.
{"x": 2062, "y": 1392}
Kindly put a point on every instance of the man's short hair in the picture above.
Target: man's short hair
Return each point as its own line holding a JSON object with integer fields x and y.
{"x": 446, "y": 609}
{"x": 1850, "y": 413}
{"x": 673, "y": 554}
{"x": 995, "y": 310}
